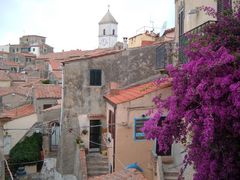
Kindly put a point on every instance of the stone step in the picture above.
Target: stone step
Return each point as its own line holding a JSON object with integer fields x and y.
{"x": 171, "y": 173}
{"x": 92, "y": 167}
{"x": 170, "y": 177}
{"x": 96, "y": 172}
{"x": 97, "y": 158}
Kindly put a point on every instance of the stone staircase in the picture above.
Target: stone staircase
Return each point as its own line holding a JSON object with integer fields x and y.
{"x": 170, "y": 172}
{"x": 97, "y": 164}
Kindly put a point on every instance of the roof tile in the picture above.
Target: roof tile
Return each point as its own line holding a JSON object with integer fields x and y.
{"x": 18, "y": 112}
{"x": 129, "y": 94}
{"x": 47, "y": 91}
{"x": 4, "y": 76}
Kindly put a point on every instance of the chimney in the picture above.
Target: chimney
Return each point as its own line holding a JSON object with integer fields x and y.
{"x": 113, "y": 86}
{"x": 125, "y": 40}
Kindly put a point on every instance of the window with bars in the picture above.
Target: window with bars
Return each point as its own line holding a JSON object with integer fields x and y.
{"x": 138, "y": 125}
{"x": 95, "y": 77}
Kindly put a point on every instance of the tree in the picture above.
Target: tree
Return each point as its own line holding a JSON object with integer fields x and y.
{"x": 204, "y": 109}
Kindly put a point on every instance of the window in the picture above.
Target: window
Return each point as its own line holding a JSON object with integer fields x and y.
{"x": 181, "y": 22}
{"x": 13, "y": 50}
{"x": 113, "y": 32}
{"x": 33, "y": 49}
{"x": 28, "y": 60}
{"x": 45, "y": 106}
{"x": 104, "y": 32}
{"x": 17, "y": 49}
{"x": 95, "y": 77}
{"x": 138, "y": 125}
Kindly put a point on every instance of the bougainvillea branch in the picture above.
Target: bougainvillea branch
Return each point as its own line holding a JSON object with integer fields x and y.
{"x": 204, "y": 109}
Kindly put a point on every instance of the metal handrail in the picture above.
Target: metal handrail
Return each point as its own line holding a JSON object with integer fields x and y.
{"x": 183, "y": 39}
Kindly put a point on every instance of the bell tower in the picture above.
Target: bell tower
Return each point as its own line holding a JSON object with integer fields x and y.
{"x": 107, "y": 35}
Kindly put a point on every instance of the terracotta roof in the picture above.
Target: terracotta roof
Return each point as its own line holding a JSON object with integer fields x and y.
{"x": 93, "y": 54}
{"x": 17, "y": 76}
{"x": 129, "y": 94}
{"x": 47, "y": 91}
{"x": 56, "y": 65}
{"x": 168, "y": 31}
{"x": 126, "y": 174}
{"x": 147, "y": 33}
{"x": 11, "y": 63}
{"x": 57, "y": 74}
{"x": 4, "y": 76}
{"x": 18, "y": 112}
{"x": 76, "y": 54}
{"x": 29, "y": 83}
{"x": 4, "y": 52}
{"x": 27, "y": 54}
{"x": 25, "y": 91}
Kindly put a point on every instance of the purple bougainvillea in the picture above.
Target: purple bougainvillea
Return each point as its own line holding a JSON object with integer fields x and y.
{"x": 204, "y": 109}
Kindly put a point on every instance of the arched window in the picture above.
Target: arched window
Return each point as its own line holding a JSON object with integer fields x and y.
{"x": 113, "y": 32}
{"x": 104, "y": 31}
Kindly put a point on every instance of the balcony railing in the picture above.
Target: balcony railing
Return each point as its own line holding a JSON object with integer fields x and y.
{"x": 164, "y": 55}
{"x": 183, "y": 40}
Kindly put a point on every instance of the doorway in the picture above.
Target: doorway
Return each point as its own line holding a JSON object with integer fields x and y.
{"x": 95, "y": 134}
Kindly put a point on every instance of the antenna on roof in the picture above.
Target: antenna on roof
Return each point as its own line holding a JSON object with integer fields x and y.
{"x": 108, "y": 7}
{"x": 152, "y": 23}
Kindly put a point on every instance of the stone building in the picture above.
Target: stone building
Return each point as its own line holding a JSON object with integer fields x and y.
{"x": 85, "y": 82}
{"x": 29, "y": 44}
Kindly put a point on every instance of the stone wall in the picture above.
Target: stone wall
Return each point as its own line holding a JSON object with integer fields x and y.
{"x": 126, "y": 68}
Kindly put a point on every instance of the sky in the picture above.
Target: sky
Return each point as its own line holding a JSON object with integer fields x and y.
{"x": 73, "y": 24}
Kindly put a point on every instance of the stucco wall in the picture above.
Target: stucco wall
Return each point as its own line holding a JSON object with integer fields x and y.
{"x": 20, "y": 123}
{"x": 40, "y": 102}
{"x": 137, "y": 40}
{"x": 5, "y": 83}
{"x": 140, "y": 151}
{"x": 192, "y": 20}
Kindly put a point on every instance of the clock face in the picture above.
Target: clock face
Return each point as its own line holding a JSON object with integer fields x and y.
{"x": 103, "y": 42}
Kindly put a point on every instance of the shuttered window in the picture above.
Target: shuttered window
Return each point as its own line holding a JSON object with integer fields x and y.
{"x": 138, "y": 125}
{"x": 95, "y": 77}
{"x": 181, "y": 22}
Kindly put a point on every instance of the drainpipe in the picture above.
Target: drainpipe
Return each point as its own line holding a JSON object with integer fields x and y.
{"x": 114, "y": 142}
{"x": 61, "y": 115}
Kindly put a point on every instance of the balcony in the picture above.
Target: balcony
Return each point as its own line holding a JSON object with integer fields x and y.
{"x": 183, "y": 40}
